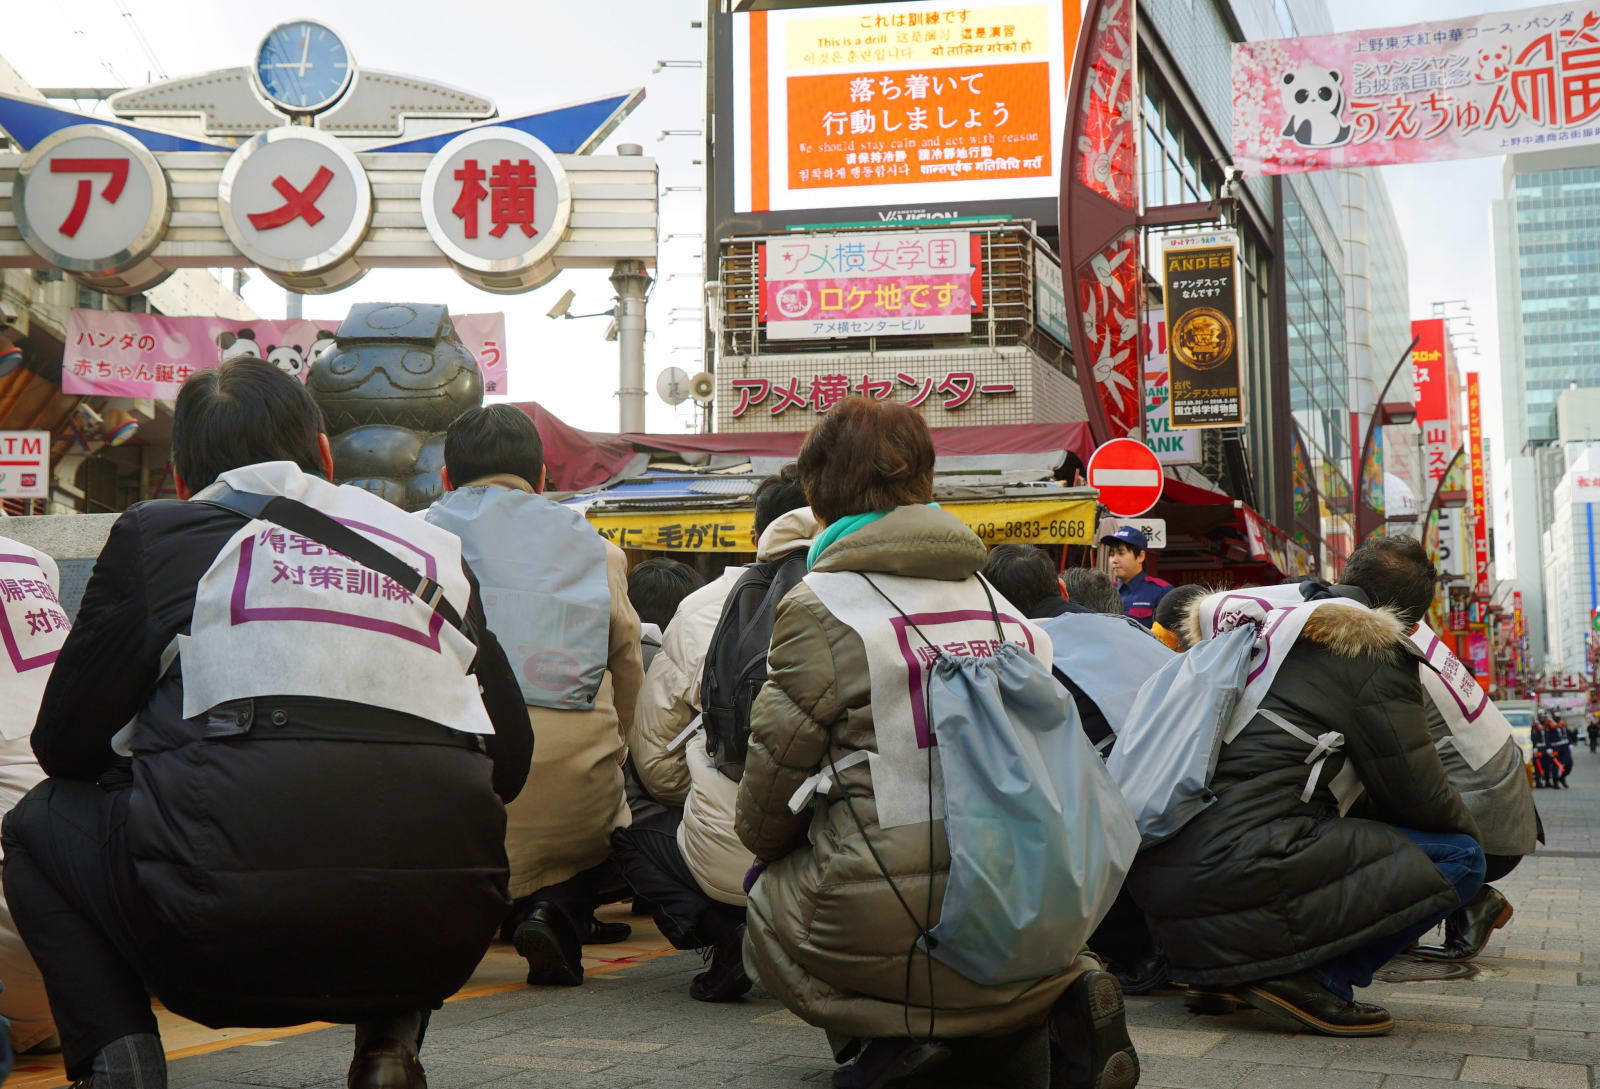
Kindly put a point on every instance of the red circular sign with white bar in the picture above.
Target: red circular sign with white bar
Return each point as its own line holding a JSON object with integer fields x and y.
{"x": 1128, "y": 476}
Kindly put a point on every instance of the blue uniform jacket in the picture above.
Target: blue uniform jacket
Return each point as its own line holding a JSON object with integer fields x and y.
{"x": 1139, "y": 597}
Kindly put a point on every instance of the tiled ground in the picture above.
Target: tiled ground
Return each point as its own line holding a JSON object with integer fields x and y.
{"x": 1531, "y": 1019}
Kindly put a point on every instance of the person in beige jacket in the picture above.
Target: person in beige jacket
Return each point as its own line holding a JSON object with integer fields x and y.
{"x": 688, "y": 863}
{"x": 556, "y": 595}
{"x": 854, "y": 880}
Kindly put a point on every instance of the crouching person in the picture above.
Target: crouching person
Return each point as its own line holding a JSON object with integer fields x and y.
{"x": 1270, "y": 891}
{"x": 688, "y": 864}
{"x": 322, "y": 733}
{"x": 853, "y": 880}
{"x": 556, "y": 595}
{"x": 1485, "y": 764}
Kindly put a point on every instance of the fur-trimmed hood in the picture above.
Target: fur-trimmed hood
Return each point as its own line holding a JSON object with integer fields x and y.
{"x": 1347, "y": 628}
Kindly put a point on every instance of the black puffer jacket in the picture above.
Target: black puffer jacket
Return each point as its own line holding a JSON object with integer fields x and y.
{"x": 292, "y": 858}
{"x": 1261, "y": 884}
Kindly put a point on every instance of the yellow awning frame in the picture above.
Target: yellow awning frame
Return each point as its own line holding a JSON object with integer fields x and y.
{"x": 1047, "y": 520}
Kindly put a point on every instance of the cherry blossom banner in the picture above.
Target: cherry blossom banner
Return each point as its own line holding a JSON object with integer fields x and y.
{"x": 1484, "y": 85}
{"x": 113, "y": 354}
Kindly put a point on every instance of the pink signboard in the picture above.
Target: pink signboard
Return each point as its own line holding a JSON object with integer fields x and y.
{"x": 113, "y": 354}
{"x": 820, "y": 286}
{"x": 1456, "y": 89}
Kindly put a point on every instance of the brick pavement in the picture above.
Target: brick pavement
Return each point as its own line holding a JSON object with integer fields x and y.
{"x": 1531, "y": 1019}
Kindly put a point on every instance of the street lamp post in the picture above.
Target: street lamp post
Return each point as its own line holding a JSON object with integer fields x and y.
{"x": 1383, "y": 414}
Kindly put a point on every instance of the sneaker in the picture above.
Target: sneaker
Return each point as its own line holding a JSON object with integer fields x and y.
{"x": 726, "y": 979}
{"x": 549, "y": 943}
{"x": 1089, "y": 1043}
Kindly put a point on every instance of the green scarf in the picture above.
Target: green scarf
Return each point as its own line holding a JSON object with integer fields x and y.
{"x": 843, "y": 527}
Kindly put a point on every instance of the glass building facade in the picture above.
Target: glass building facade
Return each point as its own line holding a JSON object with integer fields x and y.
{"x": 1319, "y": 377}
{"x": 1557, "y": 230}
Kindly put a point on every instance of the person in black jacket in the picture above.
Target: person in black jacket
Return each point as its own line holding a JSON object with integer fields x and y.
{"x": 1270, "y": 890}
{"x": 277, "y": 859}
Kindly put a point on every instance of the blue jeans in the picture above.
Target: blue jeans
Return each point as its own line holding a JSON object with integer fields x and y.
{"x": 1460, "y": 860}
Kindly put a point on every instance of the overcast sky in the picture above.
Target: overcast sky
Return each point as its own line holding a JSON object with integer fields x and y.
{"x": 525, "y": 56}
{"x": 531, "y": 55}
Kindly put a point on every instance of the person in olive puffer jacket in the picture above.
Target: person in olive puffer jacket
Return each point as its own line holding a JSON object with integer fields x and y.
{"x": 828, "y": 934}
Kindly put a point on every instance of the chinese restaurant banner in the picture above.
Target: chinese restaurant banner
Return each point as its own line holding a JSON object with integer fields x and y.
{"x": 1455, "y": 89}
{"x": 1068, "y": 520}
{"x": 816, "y": 286}
{"x": 876, "y": 104}
{"x": 1199, "y": 282}
{"x": 114, "y": 354}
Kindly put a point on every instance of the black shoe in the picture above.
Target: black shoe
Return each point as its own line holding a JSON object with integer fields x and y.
{"x": 549, "y": 942}
{"x": 1468, "y": 929}
{"x": 1145, "y": 976}
{"x": 597, "y": 933}
{"x": 726, "y": 979}
{"x": 891, "y": 1061}
{"x": 1305, "y": 1000}
{"x": 1089, "y": 1044}
{"x": 385, "y": 1064}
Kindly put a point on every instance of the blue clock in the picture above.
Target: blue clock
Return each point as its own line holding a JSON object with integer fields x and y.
{"x": 303, "y": 67}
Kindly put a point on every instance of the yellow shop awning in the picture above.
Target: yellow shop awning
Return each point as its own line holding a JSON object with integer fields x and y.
{"x": 1044, "y": 521}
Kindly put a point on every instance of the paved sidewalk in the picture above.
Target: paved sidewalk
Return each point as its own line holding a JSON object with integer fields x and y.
{"x": 1531, "y": 1019}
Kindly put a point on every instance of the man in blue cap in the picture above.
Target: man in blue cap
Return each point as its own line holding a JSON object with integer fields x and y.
{"x": 1140, "y": 592}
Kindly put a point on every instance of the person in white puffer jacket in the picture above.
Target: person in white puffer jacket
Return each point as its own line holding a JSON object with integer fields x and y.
{"x": 688, "y": 863}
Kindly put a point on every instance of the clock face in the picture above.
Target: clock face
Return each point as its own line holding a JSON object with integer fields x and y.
{"x": 303, "y": 66}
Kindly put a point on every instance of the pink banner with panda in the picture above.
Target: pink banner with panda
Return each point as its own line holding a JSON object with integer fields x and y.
{"x": 113, "y": 354}
{"x": 1484, "y": 85}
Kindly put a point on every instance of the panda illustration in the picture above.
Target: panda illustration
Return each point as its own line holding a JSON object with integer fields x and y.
{"x": 287, "y": 358}
{"x": 1314, "y": 100}
{"x": 1493, "y": 64}
{"x": 320, "y": 347}
{"x": 240, "y": 345}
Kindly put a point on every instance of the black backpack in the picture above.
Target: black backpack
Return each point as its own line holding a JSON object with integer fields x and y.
{"x": 736, "y": 658}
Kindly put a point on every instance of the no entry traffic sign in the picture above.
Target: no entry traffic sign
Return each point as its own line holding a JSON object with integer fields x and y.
{"x": 1128, "y": 476}
{"x": 24, "y": 464}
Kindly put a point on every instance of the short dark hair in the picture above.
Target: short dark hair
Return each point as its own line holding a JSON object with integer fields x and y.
{"x": 242, "y": 413}
{"x": 779, "y": 494}
{"x": 1394, "y": 572}
{"x": 1173, "y": 609}
{"x": 657, "y": 585}
{"x": 1023, "y": 574}
{"x": 490, "y": 440}
{"x": 866, "y": 456}
{"x": 1092, "y": 588}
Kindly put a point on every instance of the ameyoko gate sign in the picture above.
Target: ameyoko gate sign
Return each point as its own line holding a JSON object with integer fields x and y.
{"x": 495, "y": 203}
{"x": 314, "y": 189}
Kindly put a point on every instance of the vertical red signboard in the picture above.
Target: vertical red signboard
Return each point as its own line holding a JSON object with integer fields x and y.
{"x": 1480, "y": 520}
